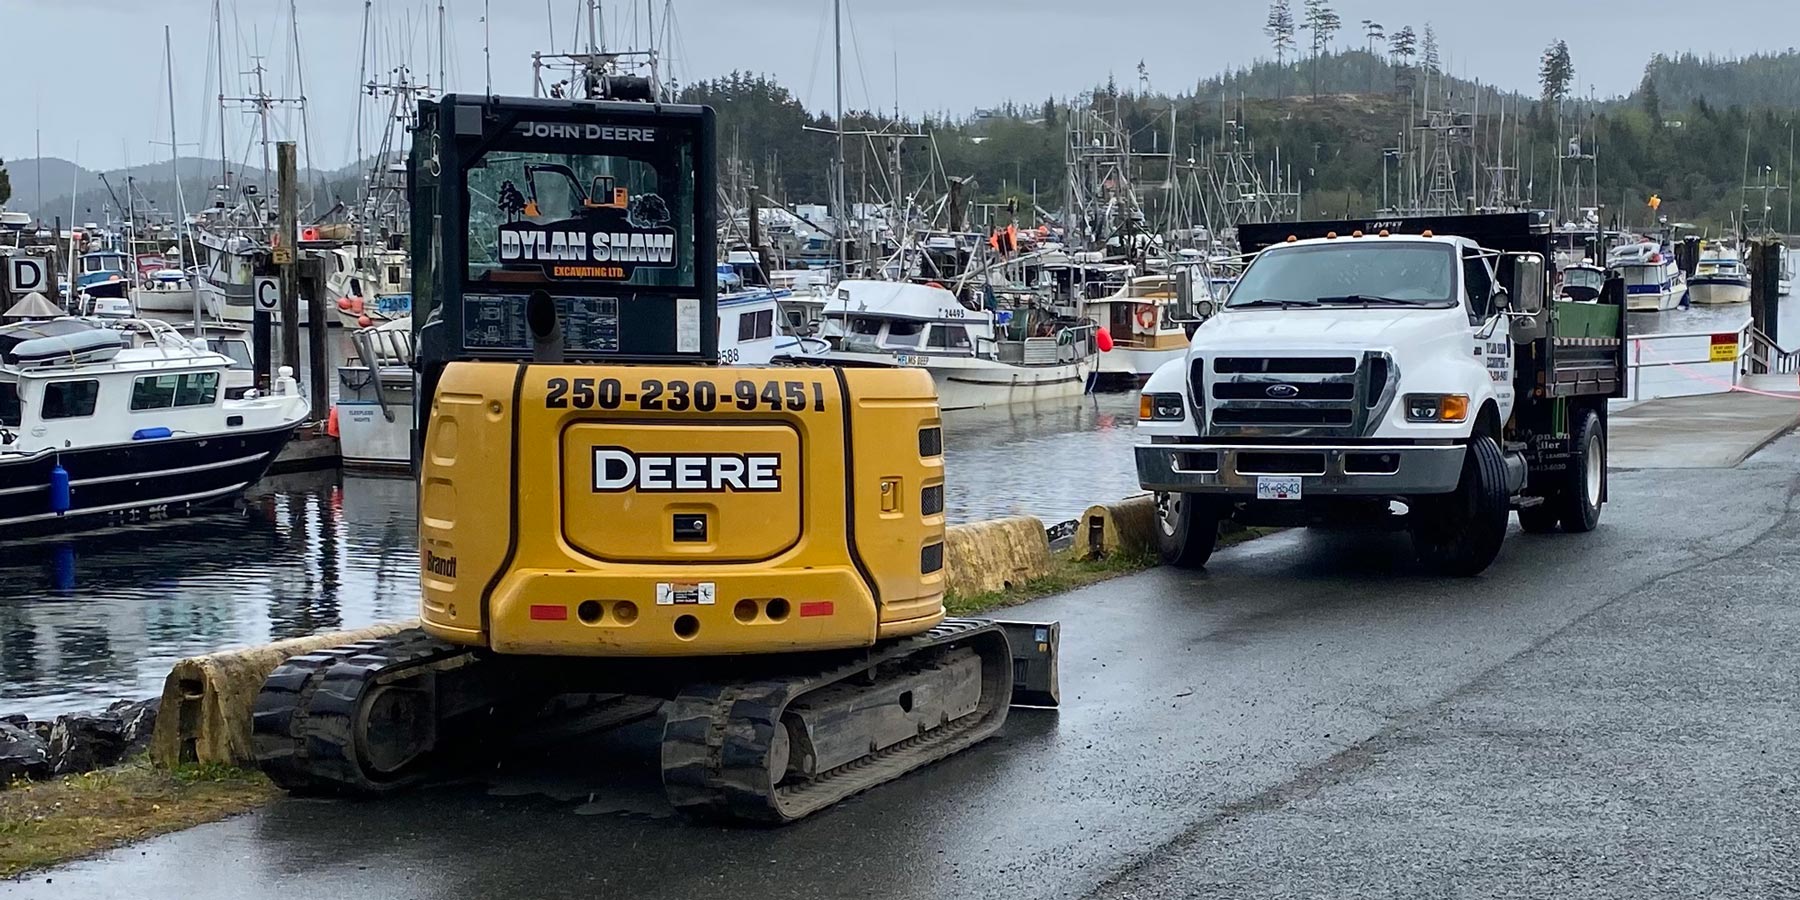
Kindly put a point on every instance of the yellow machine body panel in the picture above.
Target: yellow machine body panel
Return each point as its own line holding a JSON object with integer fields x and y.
{"x": 583, "y": 510}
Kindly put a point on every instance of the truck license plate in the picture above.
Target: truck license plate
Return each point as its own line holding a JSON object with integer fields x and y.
{"x": 1279, "y": 488}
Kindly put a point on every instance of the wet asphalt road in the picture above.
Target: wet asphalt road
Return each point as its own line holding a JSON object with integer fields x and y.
{"x": 1606, "y": 715}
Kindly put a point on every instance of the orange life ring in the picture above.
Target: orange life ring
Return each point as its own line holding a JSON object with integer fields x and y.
{"x": 1146, "y": 316}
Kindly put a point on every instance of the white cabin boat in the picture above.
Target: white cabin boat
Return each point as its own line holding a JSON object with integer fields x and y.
{"x": 97, "y": 424}
{"x": 976, "y": 356}
{"x": 370, "y": 288}
{"x": 1144, "y": 321}
{"x": 1720, "y": 277}
{"x": 1653, "y": 280}
{"x": 167, "y": 291}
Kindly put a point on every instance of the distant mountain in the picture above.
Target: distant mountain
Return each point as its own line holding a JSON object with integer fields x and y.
{"x": 151, "y": 183}
{"x": 1766, "y": 80}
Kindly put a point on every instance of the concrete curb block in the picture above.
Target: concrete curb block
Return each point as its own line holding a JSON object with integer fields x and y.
{"x": 982, "y": 557}
{"x": 1128, "y": 526}
{"x": 208, "y": 700}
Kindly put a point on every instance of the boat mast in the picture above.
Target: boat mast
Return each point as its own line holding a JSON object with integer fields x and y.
{"x": 443, "y": 57}
{"x": 839, "y": 201}
{"x": 180, "y": 198}
{"x": 219, "y": 40}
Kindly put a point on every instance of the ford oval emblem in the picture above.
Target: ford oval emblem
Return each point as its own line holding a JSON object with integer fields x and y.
{"x": 1283, "y": 391}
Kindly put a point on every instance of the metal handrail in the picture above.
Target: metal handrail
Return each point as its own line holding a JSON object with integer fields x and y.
{"x": 1768, "y": 358}
{"x": 1635, "y": 360}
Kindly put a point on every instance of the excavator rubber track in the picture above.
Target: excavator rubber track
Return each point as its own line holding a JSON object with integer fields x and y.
{"x": 755, "y": 745}
{"x": 726, "y": 747}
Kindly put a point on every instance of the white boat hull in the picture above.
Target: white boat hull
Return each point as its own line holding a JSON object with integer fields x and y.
{"x": 172, "y": 301}
{"x": 1122, "y": 362}
{"x": 366, "y": 439}
{"x": 967, "y": 383}
{"x": 977, "y": 383}
{"x": 1718, "y": 293}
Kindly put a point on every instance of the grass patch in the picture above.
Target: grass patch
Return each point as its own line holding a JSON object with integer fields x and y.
{"x": 1068, "y": 573}
{"x": 50, "y": 822}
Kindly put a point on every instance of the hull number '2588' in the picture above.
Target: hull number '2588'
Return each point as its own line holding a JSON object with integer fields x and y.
{"x": 681, "y": 396}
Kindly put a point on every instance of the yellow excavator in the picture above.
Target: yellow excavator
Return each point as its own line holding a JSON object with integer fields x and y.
{"x": 612, "y": 526}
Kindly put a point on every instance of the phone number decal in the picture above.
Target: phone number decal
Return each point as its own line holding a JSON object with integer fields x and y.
{"x": 681, "y": 396}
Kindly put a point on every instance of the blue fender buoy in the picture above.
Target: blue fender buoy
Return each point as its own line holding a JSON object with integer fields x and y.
{"x": 59, "y": 489}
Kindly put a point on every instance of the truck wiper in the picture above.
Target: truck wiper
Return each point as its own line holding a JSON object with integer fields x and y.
{"x": 1284, "y": 304}
{"x": 1364, "y": 299}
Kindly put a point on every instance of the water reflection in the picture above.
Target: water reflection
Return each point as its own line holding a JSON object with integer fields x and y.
{"x": 91, "y": 618}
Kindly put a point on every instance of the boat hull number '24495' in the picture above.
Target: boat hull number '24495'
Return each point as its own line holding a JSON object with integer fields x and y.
{"x": 681, "y": 396}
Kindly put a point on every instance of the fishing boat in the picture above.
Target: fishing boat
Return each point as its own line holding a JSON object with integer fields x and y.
{"x": 977, "y": 356}
{"x": 1145, "y": 325}
{"x": 369, "y": 285}
{"x": 1719, "y": 277}
{"x": 1653, "y": 280}
{"x": 96, "y": 425}
{"x": 168, "y": 290}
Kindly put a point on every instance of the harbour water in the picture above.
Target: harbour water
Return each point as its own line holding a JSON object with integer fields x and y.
{"x": 91, "y": 618}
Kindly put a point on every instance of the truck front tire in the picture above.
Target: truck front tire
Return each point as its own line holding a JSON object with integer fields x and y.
{"x": 1460, "y": 533}
{"x": 1187, "y": 530}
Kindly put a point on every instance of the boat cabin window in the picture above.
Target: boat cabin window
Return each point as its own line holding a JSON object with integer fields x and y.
{"x": 949, "y": 337}
{"x": 9, "y": 404}
{"x": 756, "y": 325}
{"x": 393, "y": 275}
{"x": 870, "y": 327}
{"x": 70, "y": 399}
{"x": 168, "y": 391}
{"x": 902, "y": 333}
{"x": 239, "y": 351}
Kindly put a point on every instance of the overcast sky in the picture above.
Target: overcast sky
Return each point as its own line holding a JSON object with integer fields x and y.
{"x": 88, "y": 73}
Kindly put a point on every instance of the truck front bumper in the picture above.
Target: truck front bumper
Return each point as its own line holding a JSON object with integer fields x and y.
{"x": 1324, "y": 470}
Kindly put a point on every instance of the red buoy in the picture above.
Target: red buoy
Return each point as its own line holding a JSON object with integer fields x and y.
{"x": 343, "y": 303}
{"x": 1104, "y": 339}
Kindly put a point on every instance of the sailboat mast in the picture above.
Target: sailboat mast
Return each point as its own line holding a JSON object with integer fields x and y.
{"x": 842, "y": 220}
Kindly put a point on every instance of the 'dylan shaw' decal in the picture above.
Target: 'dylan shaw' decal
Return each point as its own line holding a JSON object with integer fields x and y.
{"x": 607, "y": 236}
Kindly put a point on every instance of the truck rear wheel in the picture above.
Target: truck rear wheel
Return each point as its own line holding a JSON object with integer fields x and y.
{"x": 1187, "y": 530}
{"x": 1460, "y": 533}
{"x": 1578, "y": 503}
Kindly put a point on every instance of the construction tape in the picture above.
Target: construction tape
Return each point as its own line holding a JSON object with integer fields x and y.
{"x": 1683, "y": 370}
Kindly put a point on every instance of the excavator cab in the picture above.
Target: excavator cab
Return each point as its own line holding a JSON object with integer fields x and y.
{"x": 604, "y": 510}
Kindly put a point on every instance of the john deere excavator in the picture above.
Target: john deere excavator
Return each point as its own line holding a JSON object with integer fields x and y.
{"x": 754, "y": 554}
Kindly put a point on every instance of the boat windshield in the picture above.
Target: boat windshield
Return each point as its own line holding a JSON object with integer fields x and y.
{"x": 1584, "y": 278}
{"x": 1366, "y": 273}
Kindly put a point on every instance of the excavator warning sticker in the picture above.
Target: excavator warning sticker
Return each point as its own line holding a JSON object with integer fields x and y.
{"x": 684, "y": 593}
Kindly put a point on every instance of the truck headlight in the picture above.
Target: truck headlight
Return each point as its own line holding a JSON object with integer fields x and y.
{"x": 1437, "y": 407}
{"x": 1161, "y": 407}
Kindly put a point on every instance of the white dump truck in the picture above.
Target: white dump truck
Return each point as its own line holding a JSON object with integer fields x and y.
{"x": 1412, "y": 372}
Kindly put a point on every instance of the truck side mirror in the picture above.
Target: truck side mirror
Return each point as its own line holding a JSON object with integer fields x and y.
{"x": 1528, "y": 284}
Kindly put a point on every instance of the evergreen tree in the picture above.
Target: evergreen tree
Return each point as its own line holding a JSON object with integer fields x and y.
{"x": 1556, "y": 72}
{"x": 5, "y": 183}
{"x": 1323, "y": 22}
{"x": 1402, "y": 47}
{"x": 1652, "y": 101}
{"x": 1433, "y": 62}
{"x": 1280, "y": 29}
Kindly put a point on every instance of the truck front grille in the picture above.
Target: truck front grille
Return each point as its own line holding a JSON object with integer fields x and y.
{"x": 1293, "y": 396}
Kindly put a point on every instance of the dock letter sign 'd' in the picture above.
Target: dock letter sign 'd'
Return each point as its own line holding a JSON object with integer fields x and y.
{"x": 618, "y": 469}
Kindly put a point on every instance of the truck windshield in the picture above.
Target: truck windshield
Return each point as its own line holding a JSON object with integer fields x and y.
{"x": 1365, "y": 272}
